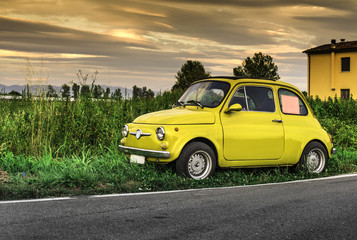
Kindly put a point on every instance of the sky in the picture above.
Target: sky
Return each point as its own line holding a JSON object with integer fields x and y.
{"x": 145, "y": 42}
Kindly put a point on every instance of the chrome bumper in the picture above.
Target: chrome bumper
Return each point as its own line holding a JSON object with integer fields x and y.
{"x": 333, "y": 150}
{"x": 144, "y": 152}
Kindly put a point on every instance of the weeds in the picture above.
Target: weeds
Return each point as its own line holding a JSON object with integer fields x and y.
{"x": 33, "y": 125}
{"x": 88, "y": 174}
{"x": 58, "y": 147}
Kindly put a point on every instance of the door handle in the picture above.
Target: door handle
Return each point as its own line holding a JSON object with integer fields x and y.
{"x": 277, "y": 120}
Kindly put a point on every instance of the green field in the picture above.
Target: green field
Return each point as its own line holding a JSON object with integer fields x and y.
{"x": 59, "y": 147}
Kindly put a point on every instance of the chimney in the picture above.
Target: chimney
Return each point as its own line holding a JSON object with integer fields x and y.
{"x": 342, "y": 40}
{"x": 333, "y": 41}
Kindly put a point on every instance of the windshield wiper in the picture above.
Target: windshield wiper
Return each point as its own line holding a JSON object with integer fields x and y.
{"x": 195, "y": 102}
{"x": 179, "y": 103}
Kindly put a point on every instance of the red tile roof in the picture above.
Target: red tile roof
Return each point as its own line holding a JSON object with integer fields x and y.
{"x": 337, "y": 47}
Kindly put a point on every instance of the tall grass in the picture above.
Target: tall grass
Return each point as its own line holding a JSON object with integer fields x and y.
{"x": 86, "y": 173}
{"x": 58, "y": 147}
{"x": 32, "y": 126}
{"x": 339, "y": 118}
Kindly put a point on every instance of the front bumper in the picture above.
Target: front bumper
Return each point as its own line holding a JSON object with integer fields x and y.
{"x": 144, "y": 152}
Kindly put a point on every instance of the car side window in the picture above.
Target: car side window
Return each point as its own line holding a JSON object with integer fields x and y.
{"x": 291, "y": 103}
{"x": 253, "y": 98}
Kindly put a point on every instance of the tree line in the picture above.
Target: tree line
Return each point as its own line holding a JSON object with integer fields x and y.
{"x": 258, "y": 66}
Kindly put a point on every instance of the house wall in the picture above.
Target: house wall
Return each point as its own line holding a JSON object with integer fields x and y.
{"x": 326, "y": 78}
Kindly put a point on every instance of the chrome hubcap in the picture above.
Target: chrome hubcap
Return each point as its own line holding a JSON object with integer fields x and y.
{"x": 199, "y": 165}
{"x": 315, "y": 160}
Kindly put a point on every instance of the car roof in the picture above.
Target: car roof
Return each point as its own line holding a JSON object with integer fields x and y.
{"x": 234, "y": 80}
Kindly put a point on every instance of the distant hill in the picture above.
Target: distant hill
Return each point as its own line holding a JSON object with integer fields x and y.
{"x": 8, "y": 89}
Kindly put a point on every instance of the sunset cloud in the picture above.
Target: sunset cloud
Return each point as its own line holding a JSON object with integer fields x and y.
{"x": 144, "y": 43}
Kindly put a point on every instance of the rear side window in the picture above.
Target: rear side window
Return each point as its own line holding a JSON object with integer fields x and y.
{"x": 253, "y": 98}
{"x": 291, "y": 103}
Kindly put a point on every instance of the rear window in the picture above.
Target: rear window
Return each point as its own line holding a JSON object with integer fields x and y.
{"x": 291, "y": 103}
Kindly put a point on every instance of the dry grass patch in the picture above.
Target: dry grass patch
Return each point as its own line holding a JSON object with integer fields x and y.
{"x": 4, "y": 176}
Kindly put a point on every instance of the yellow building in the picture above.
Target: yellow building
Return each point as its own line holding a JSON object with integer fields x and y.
{"x": 332, "y": 70}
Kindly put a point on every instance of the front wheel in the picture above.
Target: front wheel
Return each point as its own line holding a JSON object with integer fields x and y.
{"x": 314, "y": 158}
{"x": 197, "y": 160}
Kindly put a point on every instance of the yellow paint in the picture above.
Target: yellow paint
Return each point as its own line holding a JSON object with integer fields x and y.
{"x": 250, "y": 135}
{"x": 187, "y": 115}
{"x": 240, "y": 138}
{"x": 325, "y": 78}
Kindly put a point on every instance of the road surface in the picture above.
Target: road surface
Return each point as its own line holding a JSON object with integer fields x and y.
{"x": 317, "y": 209}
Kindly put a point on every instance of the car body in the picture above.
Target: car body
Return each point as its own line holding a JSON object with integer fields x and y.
{"x": 231, "y": 122}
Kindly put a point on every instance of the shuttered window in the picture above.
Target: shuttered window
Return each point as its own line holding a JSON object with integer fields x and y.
{"x": 345, "y": 64}
{"x": 345, "y": 94}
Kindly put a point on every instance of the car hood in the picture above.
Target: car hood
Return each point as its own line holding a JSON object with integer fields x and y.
{"x": 177, "y": 116}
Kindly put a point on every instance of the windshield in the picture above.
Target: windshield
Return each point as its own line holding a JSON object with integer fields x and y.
{"x": 204, "y": 94}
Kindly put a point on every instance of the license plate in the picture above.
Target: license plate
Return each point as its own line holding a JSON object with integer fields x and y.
{"x": 137, "y": 159}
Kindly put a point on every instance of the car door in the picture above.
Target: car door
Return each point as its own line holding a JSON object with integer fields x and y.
{"x": 256, "y": 132}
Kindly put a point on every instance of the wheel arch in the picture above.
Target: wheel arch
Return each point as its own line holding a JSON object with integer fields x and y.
{"x": 310, "y": 163}
{"x": 315, "y": 140}
{"x": 206, "y": 141}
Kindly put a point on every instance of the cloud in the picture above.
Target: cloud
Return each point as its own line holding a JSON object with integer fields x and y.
{"x": 146, "y": 42}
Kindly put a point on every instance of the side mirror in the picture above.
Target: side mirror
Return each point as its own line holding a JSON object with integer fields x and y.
{"x": 235, "y": 107}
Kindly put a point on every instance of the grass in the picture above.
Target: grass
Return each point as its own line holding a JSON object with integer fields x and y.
{"x": 110, "y": 172}
{"x": 58, "y": 148}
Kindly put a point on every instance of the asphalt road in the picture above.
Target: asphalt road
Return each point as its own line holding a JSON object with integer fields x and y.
{"x": 319, "y": 209}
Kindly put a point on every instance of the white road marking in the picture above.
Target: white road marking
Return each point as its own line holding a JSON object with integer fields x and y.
{"x": 218, "y": 188}
{"x": 178, "y": 191}
{"x": 37, "y": 200}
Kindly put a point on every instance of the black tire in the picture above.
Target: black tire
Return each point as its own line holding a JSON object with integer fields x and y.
{"x": 197, "y": 161}
{"x": 314, "y": 158}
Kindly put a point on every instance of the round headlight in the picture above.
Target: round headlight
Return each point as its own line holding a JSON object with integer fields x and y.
{"x": 125, "y": 130}
{"x": 160, "y": 133}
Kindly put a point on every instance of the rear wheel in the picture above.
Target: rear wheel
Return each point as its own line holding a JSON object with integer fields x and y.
{"x": 314, "y": 158}
{"x": 197, "y": 160}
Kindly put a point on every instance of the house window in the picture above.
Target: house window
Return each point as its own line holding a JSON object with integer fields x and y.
{"x": 345, "y": 64}
{"x": 345, "y": 94}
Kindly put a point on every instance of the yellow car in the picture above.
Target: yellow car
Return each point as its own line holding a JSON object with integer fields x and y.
{"x": 231, "y": 122}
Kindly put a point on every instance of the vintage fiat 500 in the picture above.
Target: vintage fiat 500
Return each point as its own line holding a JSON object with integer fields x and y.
{"x": 231, "y": 122}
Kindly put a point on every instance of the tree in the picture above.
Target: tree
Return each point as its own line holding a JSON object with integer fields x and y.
{"x": 85, "y": 91}
{"x": 147, "y": 94}
{"x": 65, "y": 91}
{"x": 142, "y": 93}
{"x": 137, "y": 92}
{"x": 190, "y": 72}
{"x": 51, "y": 92}
{"x": 75, "y": 90}
{"x": 14, "y": 93}
{"x": 97, "y": 91}
{"x": 107, "y": 93}
{"x": 27, "y": 92}
{"x": 117, "y": 94}
{"x": 259, "y": 66}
